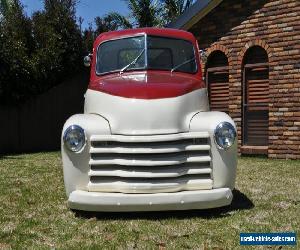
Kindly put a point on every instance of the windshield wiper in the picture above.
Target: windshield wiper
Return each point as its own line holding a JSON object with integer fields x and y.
{"x": 181, "y": 64}
{"x": 133, "y": 62}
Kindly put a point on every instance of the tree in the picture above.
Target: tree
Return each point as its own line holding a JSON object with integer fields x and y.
{"x": 146, "y": 13}
{"x": 16, "y": 47}
{"x": 143, "y": 13}
{"x": 88, "y": 37}
{"x": 174, "y": 8}
{"x": 111, "y": 21}
{"x": 4, "y": 5}
{"x": 59, "y": 43}
{"x": 37, "y": 53}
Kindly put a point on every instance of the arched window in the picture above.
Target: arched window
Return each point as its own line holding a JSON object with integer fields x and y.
{"x": 217, "y": 79}
{"x": 255, "y": 97}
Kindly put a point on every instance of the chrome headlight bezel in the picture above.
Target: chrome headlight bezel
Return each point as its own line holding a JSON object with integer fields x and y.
{"x": 221, "y": 126}
{"x": 81, "y": 133}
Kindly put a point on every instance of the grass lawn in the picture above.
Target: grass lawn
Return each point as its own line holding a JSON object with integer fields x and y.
{"x": 34, "y": 213}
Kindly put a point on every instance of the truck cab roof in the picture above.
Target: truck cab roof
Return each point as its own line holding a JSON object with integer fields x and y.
{"x": 165, "y": 32}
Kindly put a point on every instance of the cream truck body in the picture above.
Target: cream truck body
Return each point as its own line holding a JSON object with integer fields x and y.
{"x": 147, "y": 140}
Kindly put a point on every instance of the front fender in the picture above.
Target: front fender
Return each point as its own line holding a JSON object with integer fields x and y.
{"x": 76, "y": 165}
{"x": 224, "y": 162}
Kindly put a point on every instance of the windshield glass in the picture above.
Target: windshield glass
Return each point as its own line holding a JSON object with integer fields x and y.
{"x": 159, "y": 53}
{"x": 170, "y": 53}
{"x": 116, "y": 54}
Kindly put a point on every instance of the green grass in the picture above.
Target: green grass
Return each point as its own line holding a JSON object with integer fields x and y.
{"x": 34, "y": 213}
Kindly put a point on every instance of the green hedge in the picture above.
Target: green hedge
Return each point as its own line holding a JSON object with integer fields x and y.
{"x": 38, "y": 52}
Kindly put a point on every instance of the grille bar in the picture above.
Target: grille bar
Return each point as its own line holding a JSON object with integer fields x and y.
{"x": 145, "y": 172}
{"x": 150, "y": 150}
{"x": 147, "y": 162}
{"x": 149, "y": 186}
{"x": 151, "y": 138}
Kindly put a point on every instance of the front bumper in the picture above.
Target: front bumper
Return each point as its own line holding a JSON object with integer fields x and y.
{"x": 120, "y": 202}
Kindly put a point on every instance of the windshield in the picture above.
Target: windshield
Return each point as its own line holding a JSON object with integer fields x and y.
{"x": 146, "y": 52}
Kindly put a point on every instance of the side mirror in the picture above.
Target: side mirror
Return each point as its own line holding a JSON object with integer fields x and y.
{"x": 203, "y": 56}
{"x": 87, "y": 60}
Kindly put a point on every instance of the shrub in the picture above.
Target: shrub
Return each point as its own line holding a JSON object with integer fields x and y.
{"x": 39, "y": 52}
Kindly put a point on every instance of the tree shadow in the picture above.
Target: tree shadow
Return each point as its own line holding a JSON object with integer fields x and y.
{"x": 9, "y": 157}
{"x": 240, "y": 202}
{"x": 20, "y": 155}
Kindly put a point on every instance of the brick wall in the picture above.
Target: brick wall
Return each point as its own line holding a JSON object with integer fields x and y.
{"x": 233, "y": 27}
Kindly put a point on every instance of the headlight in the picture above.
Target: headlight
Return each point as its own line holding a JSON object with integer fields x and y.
{"x": 74, "y": 138}
{"x": 225, "y": 135}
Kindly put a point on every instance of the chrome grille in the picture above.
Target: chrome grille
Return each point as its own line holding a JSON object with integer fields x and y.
{"x": 150, "y": 164}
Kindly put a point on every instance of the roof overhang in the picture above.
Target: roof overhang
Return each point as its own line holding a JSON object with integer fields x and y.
{"x": 197, "y": 11}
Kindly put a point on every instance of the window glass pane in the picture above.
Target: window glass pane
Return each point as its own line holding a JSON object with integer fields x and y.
{"x": 126, "y": 56}
{"x": 168, "y": 53}
{"x": 116, "y": 54}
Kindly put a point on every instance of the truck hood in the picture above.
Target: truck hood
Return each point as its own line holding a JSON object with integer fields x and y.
{"x": 147, "y": 85}
{"x": 130, "y": 116}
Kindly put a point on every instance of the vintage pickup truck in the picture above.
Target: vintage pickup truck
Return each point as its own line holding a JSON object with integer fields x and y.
{"x": 147, "y": 140}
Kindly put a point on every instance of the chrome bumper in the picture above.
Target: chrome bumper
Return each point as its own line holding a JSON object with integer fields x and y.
{"x": 120, "y": 202}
